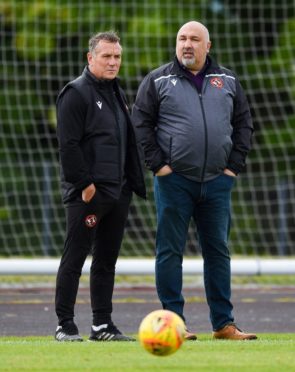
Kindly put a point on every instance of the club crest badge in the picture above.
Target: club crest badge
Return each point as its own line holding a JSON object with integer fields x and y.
{"x": 91, "y": 220}
{"x": 216, "y": 82}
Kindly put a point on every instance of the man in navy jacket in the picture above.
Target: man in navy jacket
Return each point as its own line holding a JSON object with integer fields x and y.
{"x": 100, "y": 167}
{"x": 196, "y": 129}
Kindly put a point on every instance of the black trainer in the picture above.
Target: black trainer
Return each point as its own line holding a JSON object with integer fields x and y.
{"x": 108, "y": 332}
{"x": 189, "y": 335}
{"x": 67, "y": 332}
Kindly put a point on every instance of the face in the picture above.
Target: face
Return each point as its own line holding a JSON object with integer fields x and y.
{"x": 192, "y": 45}
{"x": 105, "y": 61}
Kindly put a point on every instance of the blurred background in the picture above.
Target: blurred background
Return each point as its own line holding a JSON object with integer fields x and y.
{"x": 44, "y": 45}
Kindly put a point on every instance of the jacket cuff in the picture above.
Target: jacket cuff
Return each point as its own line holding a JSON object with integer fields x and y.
{"x": 236, "y": 169}
{"x": 156, "y": 169}
{"x": 82, "y": 184}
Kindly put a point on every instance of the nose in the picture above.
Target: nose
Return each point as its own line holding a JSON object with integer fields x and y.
{"x": 187, "y": 43}
{"x": 112, "y": 61}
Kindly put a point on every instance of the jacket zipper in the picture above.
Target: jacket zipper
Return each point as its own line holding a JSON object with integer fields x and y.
{"x": 170, "y": 151}
{"x": 206, "y": 137}
{"x": 115, "y": 105}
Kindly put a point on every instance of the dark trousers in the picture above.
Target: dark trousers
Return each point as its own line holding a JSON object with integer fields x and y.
{"x": 178, "y": 200}
{"x": 97, "y": 228}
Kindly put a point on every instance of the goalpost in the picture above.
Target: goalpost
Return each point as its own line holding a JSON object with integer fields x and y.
{"x": 44, "y": 45}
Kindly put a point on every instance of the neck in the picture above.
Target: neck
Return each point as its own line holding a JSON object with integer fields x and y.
{"x": 193, "y": 71}
{"x": 196, "y": 70}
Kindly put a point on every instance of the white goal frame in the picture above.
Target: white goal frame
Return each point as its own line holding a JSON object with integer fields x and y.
{"x": 145, "y": 266}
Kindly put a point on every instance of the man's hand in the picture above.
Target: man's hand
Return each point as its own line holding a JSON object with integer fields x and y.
{"x": 88, "y": 193}
{"x": 164, "y": 171}
{"x": 229, "y": 173}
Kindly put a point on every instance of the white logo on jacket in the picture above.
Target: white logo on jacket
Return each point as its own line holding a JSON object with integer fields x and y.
{"x": 173, "y": 81}
{"x": 99, "y": 104}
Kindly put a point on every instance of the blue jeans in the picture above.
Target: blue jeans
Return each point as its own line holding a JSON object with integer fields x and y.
{"x": 177, "y": 201}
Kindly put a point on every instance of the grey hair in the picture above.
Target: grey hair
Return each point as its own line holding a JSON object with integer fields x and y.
{"x": 109, "y": 36}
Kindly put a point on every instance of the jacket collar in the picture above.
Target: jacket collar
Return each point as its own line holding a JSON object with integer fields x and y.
{"x": 102, "y": 83}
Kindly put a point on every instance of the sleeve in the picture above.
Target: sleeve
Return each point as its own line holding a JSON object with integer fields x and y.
{"x": 71, "y": 115}
{"x": 144, "y": 118}
{"x": 242, "y": 131}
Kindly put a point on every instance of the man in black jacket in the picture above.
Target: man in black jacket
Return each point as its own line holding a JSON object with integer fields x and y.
{"x": 100, "y": 167}
{"x": 196, "y": 130}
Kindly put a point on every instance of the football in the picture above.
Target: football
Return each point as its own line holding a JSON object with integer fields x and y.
{"x": 161, "y": 332}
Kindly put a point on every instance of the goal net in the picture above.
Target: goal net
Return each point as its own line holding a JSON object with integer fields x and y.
{"x": 44, "y": 45}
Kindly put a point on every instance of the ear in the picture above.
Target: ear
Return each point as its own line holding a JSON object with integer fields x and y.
{"x": 89, "y": 58}
{"x": 208, "y": 46}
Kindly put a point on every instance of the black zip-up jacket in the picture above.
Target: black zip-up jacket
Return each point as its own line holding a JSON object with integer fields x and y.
{"x": 89, "y": 138}
{"x": 197, "y": 134}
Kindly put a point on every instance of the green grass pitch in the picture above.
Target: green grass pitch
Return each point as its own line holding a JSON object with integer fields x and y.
{"x": 271, "y": 352}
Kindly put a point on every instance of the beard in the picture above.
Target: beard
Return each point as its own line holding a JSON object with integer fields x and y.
{"x": 188, "y": 62}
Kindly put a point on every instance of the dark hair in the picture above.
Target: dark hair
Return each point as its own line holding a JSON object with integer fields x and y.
{"x": 110, "y": 36}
